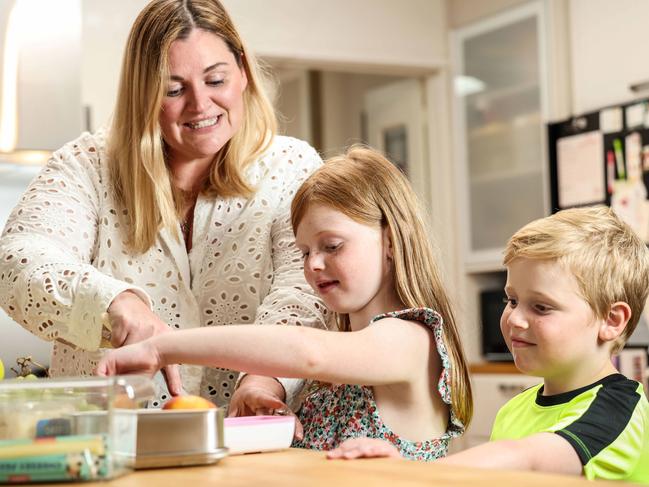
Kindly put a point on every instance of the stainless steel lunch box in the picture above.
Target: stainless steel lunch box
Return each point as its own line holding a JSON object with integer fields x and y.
{"x": 166, "y": 438}
{"x": 179, "y": 437}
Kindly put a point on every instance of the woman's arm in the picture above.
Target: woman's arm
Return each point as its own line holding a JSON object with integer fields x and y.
{"x": 47, "y": 283}
{"x": 290, "y": 300}
{"x": 387, "y": 352}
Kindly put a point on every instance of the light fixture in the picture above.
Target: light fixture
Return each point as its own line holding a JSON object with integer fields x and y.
{"x": 36, "y": 38}
{"x": 9, "y": 86}
{"x": 468, "y": 85}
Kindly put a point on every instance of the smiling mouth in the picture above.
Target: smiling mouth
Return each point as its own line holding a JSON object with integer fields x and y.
{"x": 517, "y": 342}
{"x": 325, "y": 286}
{"x": 208, "y": 122}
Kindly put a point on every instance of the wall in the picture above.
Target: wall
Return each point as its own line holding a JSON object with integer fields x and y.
{"x": 342, "y": 107}
{"x": 609, "y": 51}
{"x": 372, "y": 34}
{"x": 407, "y": 33}
{"x": 292, "y": 102}
{"x": 464, "y": 12}
{"x": 16, "y": 341}
{"x": 42, "y": 37}
{"x": 105, "y": 27}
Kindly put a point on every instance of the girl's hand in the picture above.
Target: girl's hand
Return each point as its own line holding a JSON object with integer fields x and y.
{"x": 131, "y": 322}
{"x": 139, "y": 358}
{"x": 363, "y": 448}
{"x": 259, "y": 395}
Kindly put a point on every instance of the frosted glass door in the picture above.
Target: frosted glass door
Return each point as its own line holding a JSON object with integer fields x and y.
{"x": 500, "y": 93}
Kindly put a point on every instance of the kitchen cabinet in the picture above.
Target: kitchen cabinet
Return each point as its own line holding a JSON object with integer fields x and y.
{"x": 511, "y": 75}
{"x": 500, "y": 115}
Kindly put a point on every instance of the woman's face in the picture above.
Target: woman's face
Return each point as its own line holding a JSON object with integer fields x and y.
{"x": 203, "y": 106}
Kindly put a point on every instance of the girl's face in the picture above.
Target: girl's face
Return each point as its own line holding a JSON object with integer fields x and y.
{"x": 345, "y": 262}
{"x": 203, "y": 107}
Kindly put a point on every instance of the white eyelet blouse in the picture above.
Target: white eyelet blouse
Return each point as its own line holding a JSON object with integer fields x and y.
{"x": 63, "y": 259}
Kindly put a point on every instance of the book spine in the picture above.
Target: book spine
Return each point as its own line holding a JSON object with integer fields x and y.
{"x": 72, "y": 466}
{"x": 11, "y": 449}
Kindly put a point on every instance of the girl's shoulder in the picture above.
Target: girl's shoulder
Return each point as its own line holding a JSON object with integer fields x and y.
{"x": 427, "y": 316}
{"x": 408, "y": 325}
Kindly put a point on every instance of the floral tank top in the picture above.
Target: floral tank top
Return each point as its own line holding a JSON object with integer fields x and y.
{"x": 337, "y": 412}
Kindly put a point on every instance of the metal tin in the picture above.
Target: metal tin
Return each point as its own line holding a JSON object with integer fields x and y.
{"x": 167, "y": 438}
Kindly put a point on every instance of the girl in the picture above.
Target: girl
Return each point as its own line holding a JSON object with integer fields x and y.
{"x": 396, "y": 369}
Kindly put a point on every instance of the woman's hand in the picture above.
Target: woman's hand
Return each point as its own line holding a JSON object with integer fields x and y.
{"x": 363, "y": 448}
{"x": 131, "y": 322}
{"x": 257, "y": 395}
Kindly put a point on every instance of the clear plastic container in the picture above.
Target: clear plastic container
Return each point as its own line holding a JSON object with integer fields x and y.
{"x": 69, "y": 429}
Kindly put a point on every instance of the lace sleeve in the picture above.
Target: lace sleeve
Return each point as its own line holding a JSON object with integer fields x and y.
{"x": 291, "y": 300}
{"x": 47, "y": 283}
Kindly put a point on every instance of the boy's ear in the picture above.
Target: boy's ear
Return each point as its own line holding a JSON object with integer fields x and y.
{"x": 618, "y": 316}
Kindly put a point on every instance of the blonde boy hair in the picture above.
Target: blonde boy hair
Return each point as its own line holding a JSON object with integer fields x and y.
{"x": 608, "y": 259}
{"x": 366, "y": 187}
{"x": 139, "y": 173}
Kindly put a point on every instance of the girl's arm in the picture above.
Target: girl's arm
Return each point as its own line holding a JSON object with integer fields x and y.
{"x": 543, "y": 452}
{"x": 387, "y": 352}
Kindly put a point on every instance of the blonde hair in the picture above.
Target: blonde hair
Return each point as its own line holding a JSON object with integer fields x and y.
{"x": 139, "y": 173}
{"x": 608, "y": 259}
{"x": 366, "y": 187}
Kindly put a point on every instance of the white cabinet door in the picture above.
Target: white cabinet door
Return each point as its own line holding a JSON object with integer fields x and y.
{"x": 500, "y": 115}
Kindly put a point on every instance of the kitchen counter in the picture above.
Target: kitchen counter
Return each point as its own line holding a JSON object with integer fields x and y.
{"x": 295, "y": 467}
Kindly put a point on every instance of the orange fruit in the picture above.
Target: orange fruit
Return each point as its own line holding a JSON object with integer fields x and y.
{"x": 188, "y": 402}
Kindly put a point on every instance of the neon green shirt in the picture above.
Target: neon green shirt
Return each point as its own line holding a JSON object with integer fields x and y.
{"x": 607, "y": 423}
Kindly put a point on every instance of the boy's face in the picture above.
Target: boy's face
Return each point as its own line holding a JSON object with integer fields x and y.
{"x": 550, "y": 329}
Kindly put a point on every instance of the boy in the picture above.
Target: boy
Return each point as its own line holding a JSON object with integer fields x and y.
{"x": 577, "y": 282}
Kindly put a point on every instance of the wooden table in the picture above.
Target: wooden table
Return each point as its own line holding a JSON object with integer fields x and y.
{"x": 297, "y": 467}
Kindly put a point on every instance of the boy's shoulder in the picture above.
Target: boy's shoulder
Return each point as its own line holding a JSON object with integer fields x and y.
{"x": 607, "y": 422}
{"x": 531, "y": 412}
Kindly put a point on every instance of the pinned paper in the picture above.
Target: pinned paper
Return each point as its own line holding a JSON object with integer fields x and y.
{"x": 633, "y": 144}
{"x": 635, "y": 115}
{"x": 610, "y": 120}
{"x": 629, "y": 201}
{"x": 580, "y": 169}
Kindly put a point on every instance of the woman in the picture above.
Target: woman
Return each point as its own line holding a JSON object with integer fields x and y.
{"x": 178, "y": 217}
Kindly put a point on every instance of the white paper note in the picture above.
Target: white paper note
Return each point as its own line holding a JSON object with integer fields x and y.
{"x": 580, "y": 169}
{"x": 610, "y": 120}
